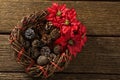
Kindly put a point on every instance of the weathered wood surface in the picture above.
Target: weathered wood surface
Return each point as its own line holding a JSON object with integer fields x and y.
{"x": 101, "y": 55}
{"x": 99, "y": 59}
{"x": 59, "y": 76}
{"x": 101, "y": 18}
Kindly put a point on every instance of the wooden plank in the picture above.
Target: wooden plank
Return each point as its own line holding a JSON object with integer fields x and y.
{"x": 101, "y": 18}
{"x": 60, "y": 76}
{"x": 14, "y": 76}
{"x": 51, "y": 0}
{"x": 100, "y": 55}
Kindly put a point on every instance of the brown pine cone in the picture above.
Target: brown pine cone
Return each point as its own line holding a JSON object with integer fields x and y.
{"x": 46, "y": 39}
{"x": 57, "y": 49}
{"x": 45, "y": 50}
{"x": 55, "y": 33}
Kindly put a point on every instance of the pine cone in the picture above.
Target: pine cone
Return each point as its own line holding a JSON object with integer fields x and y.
{"x": 55, "y": 33}
{"x": 46, "y": 39}
{"x": 57, "y": 49}
{"x": 29, "y": 33}
{"x": 45, "y": 50}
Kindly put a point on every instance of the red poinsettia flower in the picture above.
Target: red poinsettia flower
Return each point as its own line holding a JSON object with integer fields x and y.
{"x": 62, "y": 17}
{"x": 56, "y": 13}
{"x": 74, "y": 44}
{"x": 70, "y": 22}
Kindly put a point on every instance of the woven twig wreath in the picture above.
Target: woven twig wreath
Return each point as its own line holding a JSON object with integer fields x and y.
{"x": 44, "y": 42}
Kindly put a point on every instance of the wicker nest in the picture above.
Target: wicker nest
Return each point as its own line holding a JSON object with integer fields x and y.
{"x": 32, "y": 41}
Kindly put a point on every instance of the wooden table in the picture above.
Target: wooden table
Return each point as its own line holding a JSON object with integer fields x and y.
{"x": 99, "y": 59}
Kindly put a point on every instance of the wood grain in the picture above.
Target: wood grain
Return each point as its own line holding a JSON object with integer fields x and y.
{"x": 101, "y": 18}
{"x": 100, "y": 55}
{"x": 59, "y": 76}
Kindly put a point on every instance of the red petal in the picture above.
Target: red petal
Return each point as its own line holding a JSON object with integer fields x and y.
{"x": 50, "y": 10}
{"x": 83, "y": 41}
{"x": 55, "y": 4}
{"x": 50, "y": 19}
{"x": 83, "y": 29}
{"x": 63, "y": 7}
{"x": 61, "y": 41}
{"x": 65, "y": 29}
{"x": 72, "y": 51}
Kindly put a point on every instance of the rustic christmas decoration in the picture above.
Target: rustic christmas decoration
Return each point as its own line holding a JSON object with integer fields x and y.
{"x": 44, "y": 42}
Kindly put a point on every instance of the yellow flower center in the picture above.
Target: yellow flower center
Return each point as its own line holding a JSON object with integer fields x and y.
{"x": 59, "y": 13}
{"x": 71, "y": 42}
{"x": 67, "y": 22}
